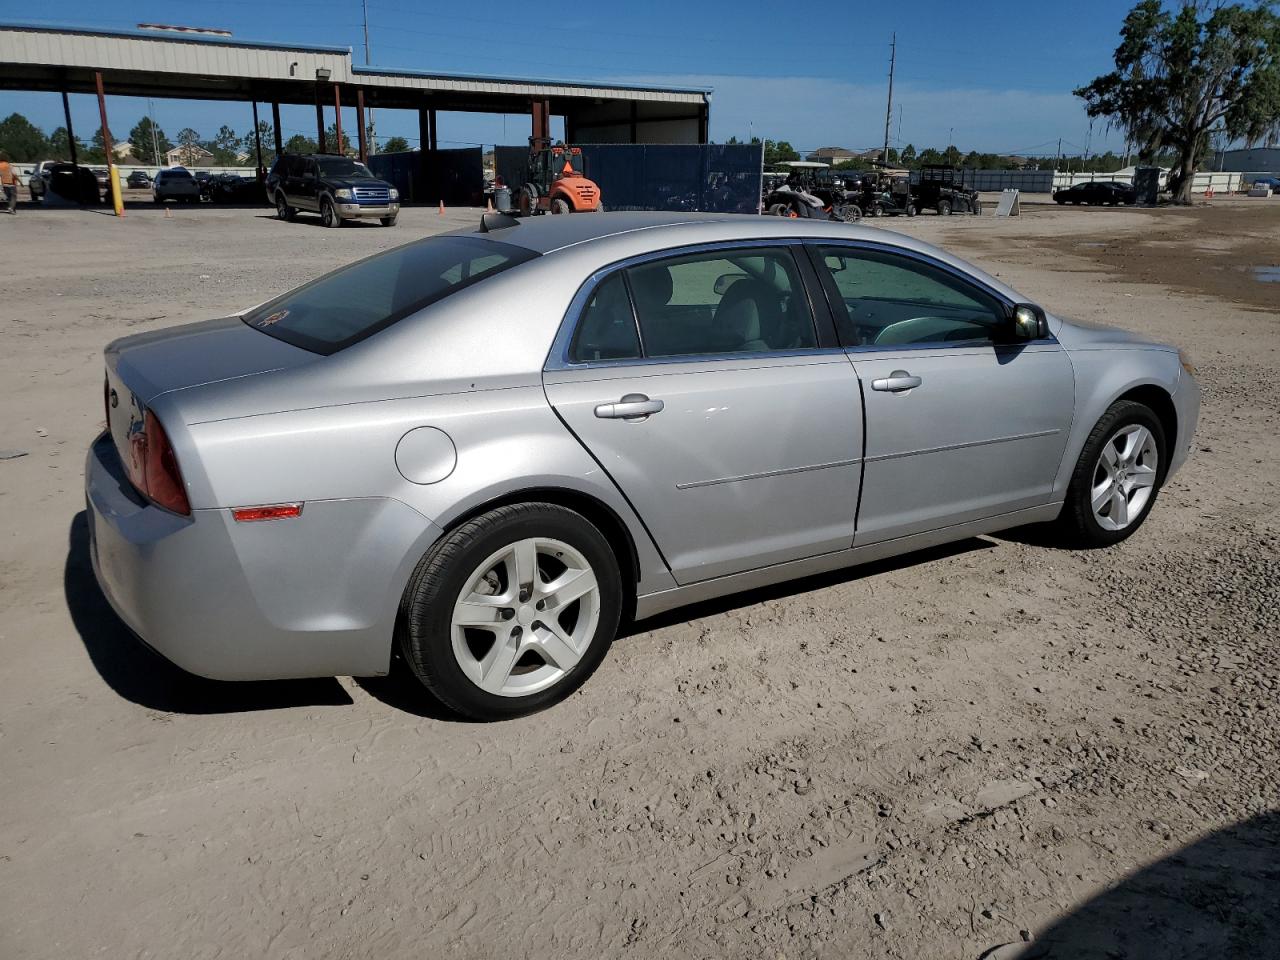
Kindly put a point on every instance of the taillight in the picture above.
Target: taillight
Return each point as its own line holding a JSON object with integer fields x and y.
{"x": 161, "y": 478}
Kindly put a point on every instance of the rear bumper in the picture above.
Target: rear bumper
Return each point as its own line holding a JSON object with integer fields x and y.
{"x": 352, "y": 211}
{"x": 314, "y": 596}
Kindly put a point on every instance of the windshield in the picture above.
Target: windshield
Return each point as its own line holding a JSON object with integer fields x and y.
{"x": 354, "y": 302}
{"x": 342, "y": 167}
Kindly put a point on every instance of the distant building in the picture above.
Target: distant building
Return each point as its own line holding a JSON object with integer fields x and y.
{"x": 833, "y": 155}
{"x": 1253, "y": 160}
{"x": 191, "y": 156}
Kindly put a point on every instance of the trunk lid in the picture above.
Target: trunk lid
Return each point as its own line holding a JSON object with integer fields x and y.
{"x": 141, "y": 368}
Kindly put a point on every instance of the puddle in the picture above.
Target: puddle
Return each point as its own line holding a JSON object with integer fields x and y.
{"x": 1090, "y": 244}
{"x": 1266, "y": 274}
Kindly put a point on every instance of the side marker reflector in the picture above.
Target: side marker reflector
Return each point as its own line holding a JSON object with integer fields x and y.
{"x": 274, "y": 511}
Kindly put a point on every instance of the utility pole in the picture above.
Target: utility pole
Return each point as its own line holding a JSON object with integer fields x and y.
{"x": 888, "y": 111}
{"x": 155, "y": 140}
{"x": 364, "y": 4}
{"x": 1057, "y": 156}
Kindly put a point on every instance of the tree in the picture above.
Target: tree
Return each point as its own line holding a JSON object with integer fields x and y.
{"x": 22, "y": 139}
{"x": 1181, "y": 73}
{"x": 394, "y": 145}
{"x": 60, "y": 145}
{"x": 267, "y": 133}
{"x": 778, "y": 151}
{"x": 148, "y": 143}
{"x": 190, "y": 149}
{"x": 299, "y": 143}
{"x": 331, "y": 142}
{"x": 908, "y": 156}
{"x": 225, "y": 147}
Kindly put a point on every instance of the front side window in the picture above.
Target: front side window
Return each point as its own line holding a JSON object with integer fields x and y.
{"x": 728, "y": 301}
{"x": 357, "y": 301}
{"x": 890, "y": 300}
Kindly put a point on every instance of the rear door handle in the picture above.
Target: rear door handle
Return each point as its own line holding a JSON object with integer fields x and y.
{"x": 634, "y": 406}
{"x": 896, "y": 382}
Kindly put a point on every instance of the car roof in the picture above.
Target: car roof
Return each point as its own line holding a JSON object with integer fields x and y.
{"x": 547, "y": 234}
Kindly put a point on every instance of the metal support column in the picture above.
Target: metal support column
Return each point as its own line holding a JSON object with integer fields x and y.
{"x": 703, "y": 122}
{"x": 435, "y": 145}
{"x": 320, "y": 144}
{"x": 364, "y": 145}
{"x": 257, "y": 140}
{"x": 275, "y": 120}
{"x": 337, "y": 120}
{"x": 71, "y": 134}
{"x": 113, "y": 174}
{"x": 635, "y": 121}
{"x": 541, "y": 110}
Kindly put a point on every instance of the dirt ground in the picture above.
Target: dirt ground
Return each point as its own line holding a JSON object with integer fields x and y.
{"x": 928, "y": 758}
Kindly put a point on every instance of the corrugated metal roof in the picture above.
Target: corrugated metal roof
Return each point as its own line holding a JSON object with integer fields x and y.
{"x": 211, "y": 56}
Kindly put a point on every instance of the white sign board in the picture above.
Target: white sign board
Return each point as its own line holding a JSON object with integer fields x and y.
{"x": 1008, "y": 206}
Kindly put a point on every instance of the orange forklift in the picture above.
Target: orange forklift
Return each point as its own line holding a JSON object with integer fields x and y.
{"x": 556, "y": 183}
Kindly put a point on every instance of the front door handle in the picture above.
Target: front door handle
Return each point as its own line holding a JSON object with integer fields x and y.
{"x": 634, "y": 406}
{"x": 896, "y": 382}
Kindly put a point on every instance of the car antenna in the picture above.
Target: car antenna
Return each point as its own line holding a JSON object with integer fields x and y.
{"x": 497, "y": 221}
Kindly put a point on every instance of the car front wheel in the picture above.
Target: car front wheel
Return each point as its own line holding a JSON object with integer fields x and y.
{"x": 1117, "y": 477}
{"x": 511, "y": 611}
{"x": 328, "y": 215}
{"x": 283, "y": 210}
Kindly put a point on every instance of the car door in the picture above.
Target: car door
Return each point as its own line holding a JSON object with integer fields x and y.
{"x": 962, "y": 423}
{"x": 727, "y": 414}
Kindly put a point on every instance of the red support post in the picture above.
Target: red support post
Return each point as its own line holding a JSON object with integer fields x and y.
{"x": 337, "y": 120}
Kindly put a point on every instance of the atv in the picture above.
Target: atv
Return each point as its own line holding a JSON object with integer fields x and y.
{"x": 806, "y": 193}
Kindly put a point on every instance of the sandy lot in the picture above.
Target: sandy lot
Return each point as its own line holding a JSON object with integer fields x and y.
{"x": 924, "y": 759}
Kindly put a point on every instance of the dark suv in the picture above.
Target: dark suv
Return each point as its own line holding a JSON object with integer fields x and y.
{"x": 337, "y": 188}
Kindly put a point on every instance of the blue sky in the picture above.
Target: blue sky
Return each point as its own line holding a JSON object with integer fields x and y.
{"x": 993, "y": 76}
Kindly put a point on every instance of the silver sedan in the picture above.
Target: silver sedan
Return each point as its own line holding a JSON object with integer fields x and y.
{"x": 485, "y": 450}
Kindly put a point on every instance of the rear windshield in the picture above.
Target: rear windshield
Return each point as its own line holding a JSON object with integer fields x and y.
{"x": 354, "y": 302}
{"x": 342, "y": 167}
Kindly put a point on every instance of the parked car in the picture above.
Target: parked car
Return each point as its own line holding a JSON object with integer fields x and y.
{"x": 139, "y": 179}
{"x": 103, "y": 176}
{"x": 1109, "y": 192}
{"x": 177, "y": 185}
{"x": 337, "y": 188}
{"x": 75, "y": 183}
{"x": 485, "y": 450}
{"x": 204, "y": 180}
{"x": 230, "y": 188}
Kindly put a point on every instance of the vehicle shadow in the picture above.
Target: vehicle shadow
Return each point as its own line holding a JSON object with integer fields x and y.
{"x": 400, "y": 690}
{"x": 1214, "y": 898}
{"x": 309, "y": 219}
{"x": 142, "y": 676}
{"x": 709, "y": 608}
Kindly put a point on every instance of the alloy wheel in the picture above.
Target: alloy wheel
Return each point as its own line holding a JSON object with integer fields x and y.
{"x": 525, "y": 617}
{"x": 1124, "y": 477}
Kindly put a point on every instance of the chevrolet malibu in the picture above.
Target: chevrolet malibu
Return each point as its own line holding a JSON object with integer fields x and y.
{"x": 488, "y": 449}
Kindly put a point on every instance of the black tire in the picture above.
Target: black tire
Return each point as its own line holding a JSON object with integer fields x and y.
{"x": 387, "y": 221}
{"x": 328, "y": 215}
{"x": 426, "y": 609}
{"x": 1077, "y": 523}
{"x": 910, "y": 211}
{"x": 846, "y": 213}
{"x": 944, "y": 208}
{"x": 977, "y": 208}
{"x": 283, "y": 210}
{"x": 877, "y": 210}
{"x": 560, "y": 205}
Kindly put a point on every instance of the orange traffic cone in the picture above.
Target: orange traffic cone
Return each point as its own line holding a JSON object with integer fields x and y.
{"x": 489, "y": 206}
{"x": 442, "y": 208}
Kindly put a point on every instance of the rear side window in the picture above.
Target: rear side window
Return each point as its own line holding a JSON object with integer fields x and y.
{"x": 354, "y": 302}
{"x": 607, "y": 330}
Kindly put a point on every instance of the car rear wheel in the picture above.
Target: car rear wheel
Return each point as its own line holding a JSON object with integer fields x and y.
{"x": 1117, "y": 477}
{"x": 560, "y": 205}
{"x": 944, "y": 208}
{"x": 511, "y": 611}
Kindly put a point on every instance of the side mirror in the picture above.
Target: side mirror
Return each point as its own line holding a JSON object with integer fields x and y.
{"x": 1029, "y": 322}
